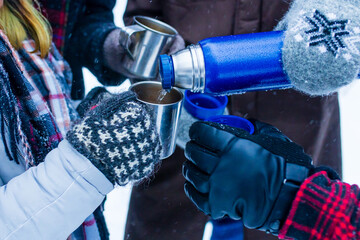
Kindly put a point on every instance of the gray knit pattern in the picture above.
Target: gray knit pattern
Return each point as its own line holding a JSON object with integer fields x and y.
{"x": 119, "y": 137}
{"x": 321, "y": 50}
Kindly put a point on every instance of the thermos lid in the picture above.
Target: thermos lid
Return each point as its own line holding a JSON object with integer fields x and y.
{"x": 203, "y": 106}
{"x": 166, "y": 71}
{"x": 233, "y": 121}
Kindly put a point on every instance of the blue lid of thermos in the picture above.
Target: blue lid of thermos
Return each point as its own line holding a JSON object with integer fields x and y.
{"x": 233, "y": 121}
{"x": 203, "y": 106}
{"x": 166, "y": 71}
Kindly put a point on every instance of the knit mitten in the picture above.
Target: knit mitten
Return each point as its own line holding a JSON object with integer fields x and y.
{"x": 95, "y": 96}
{"x": 321, "y": 50}
{"x": 119, "y": 137}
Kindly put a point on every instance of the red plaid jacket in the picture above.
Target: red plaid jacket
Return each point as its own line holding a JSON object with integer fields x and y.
{"x": 324, "y": 209}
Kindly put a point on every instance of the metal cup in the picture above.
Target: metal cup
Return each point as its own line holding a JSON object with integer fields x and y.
{"x": 144, "y": 42}
{"x": 166, "y": 111}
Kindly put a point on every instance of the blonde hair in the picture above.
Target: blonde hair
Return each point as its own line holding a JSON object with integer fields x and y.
{"x": 19, "y": 19}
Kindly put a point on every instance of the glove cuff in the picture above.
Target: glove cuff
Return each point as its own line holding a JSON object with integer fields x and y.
{"x": 294, "y": 177}
{"x": 332, "y": 174}
{"x": 272, "y": 141}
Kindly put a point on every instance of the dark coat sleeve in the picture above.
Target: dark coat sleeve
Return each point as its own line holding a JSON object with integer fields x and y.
{"x": 140, "y": 7}
{"x": 324, "y": 209}
{"x": 84, "y": 46}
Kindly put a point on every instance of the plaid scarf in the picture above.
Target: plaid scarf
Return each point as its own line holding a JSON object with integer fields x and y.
{"x": 62, "y": 15}
{"x": 32, "y": 126}
{"x": 35, "y": 106}
{"x": 51, "y": 76}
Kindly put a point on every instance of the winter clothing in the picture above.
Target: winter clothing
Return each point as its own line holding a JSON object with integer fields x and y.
{"x": 27, "y": 124}
{"x": 268, "y": 182}
{"x": 312, "y": 122}
{"x": 324, "y": 209}
{"x": 54, "y": 73}
{"x": 79, "y": 31}
{"x": 30, "y": 121}
{"x": 320, "y": 52}
{"x": 119, "y": 138}
{"x": 59, "y": 191}
{"x": 86, "y": 35}
{"x": 93, "y": 98}
{"x": 262, "y": 173}
{"x": 114, "y": 51}
{"x": 51, "y": 200}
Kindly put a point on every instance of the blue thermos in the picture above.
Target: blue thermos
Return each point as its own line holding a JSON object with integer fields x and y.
{"x": 227, "y": 65}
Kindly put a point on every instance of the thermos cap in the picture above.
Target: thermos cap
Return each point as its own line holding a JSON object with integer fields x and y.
{"x": 203, "y": 106}
{"x": 166, "y": 71}
{"x": 233, "y": 121}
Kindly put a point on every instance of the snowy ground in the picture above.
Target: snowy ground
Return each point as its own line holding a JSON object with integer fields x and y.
{"x": 117, "y": 202}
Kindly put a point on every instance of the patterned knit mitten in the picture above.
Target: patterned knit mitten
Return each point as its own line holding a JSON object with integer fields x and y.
{"x": 119, "y": 138}
{"x": 95, "y": 96}
{"x": 321, "y": 50}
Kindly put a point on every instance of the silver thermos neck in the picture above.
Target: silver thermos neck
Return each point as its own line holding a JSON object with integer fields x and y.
{"x": 189, "y": 69}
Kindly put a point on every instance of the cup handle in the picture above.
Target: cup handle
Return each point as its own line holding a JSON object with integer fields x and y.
{"x": 125, "y": 37}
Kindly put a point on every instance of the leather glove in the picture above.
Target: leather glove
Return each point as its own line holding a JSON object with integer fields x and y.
{"x": 119, "y": 137}
{"x": 235, "y": 174}
{"x": 321, "y": 50}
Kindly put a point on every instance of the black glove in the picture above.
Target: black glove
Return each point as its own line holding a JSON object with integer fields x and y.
{"x": 119, "y": 137}
{"x": 235, "y": 174}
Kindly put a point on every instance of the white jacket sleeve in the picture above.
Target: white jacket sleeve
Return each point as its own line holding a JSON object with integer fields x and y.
{"x": 51, "y": 200}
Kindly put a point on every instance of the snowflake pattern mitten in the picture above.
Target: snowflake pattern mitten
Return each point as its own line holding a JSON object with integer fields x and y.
{"x": 119, "y": 137}
{"x": 321, "y": 50}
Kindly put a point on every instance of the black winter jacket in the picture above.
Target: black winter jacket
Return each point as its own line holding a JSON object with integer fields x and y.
{"x": 87, "y": 25}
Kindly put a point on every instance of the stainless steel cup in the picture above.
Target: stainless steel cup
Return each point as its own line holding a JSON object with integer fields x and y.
{"x": 166, "y": 111}
{"x": 144, "y": 42}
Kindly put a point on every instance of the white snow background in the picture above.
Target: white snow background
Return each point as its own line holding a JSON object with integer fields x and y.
{"x": 116, "y": 206}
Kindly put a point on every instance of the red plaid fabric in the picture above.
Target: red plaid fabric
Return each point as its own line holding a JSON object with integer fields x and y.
{"x": 324, "y": 209}
{"x": 51, "y": 77}
{"x": 26, "y": 154}
{"x": 57, "y": 14}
